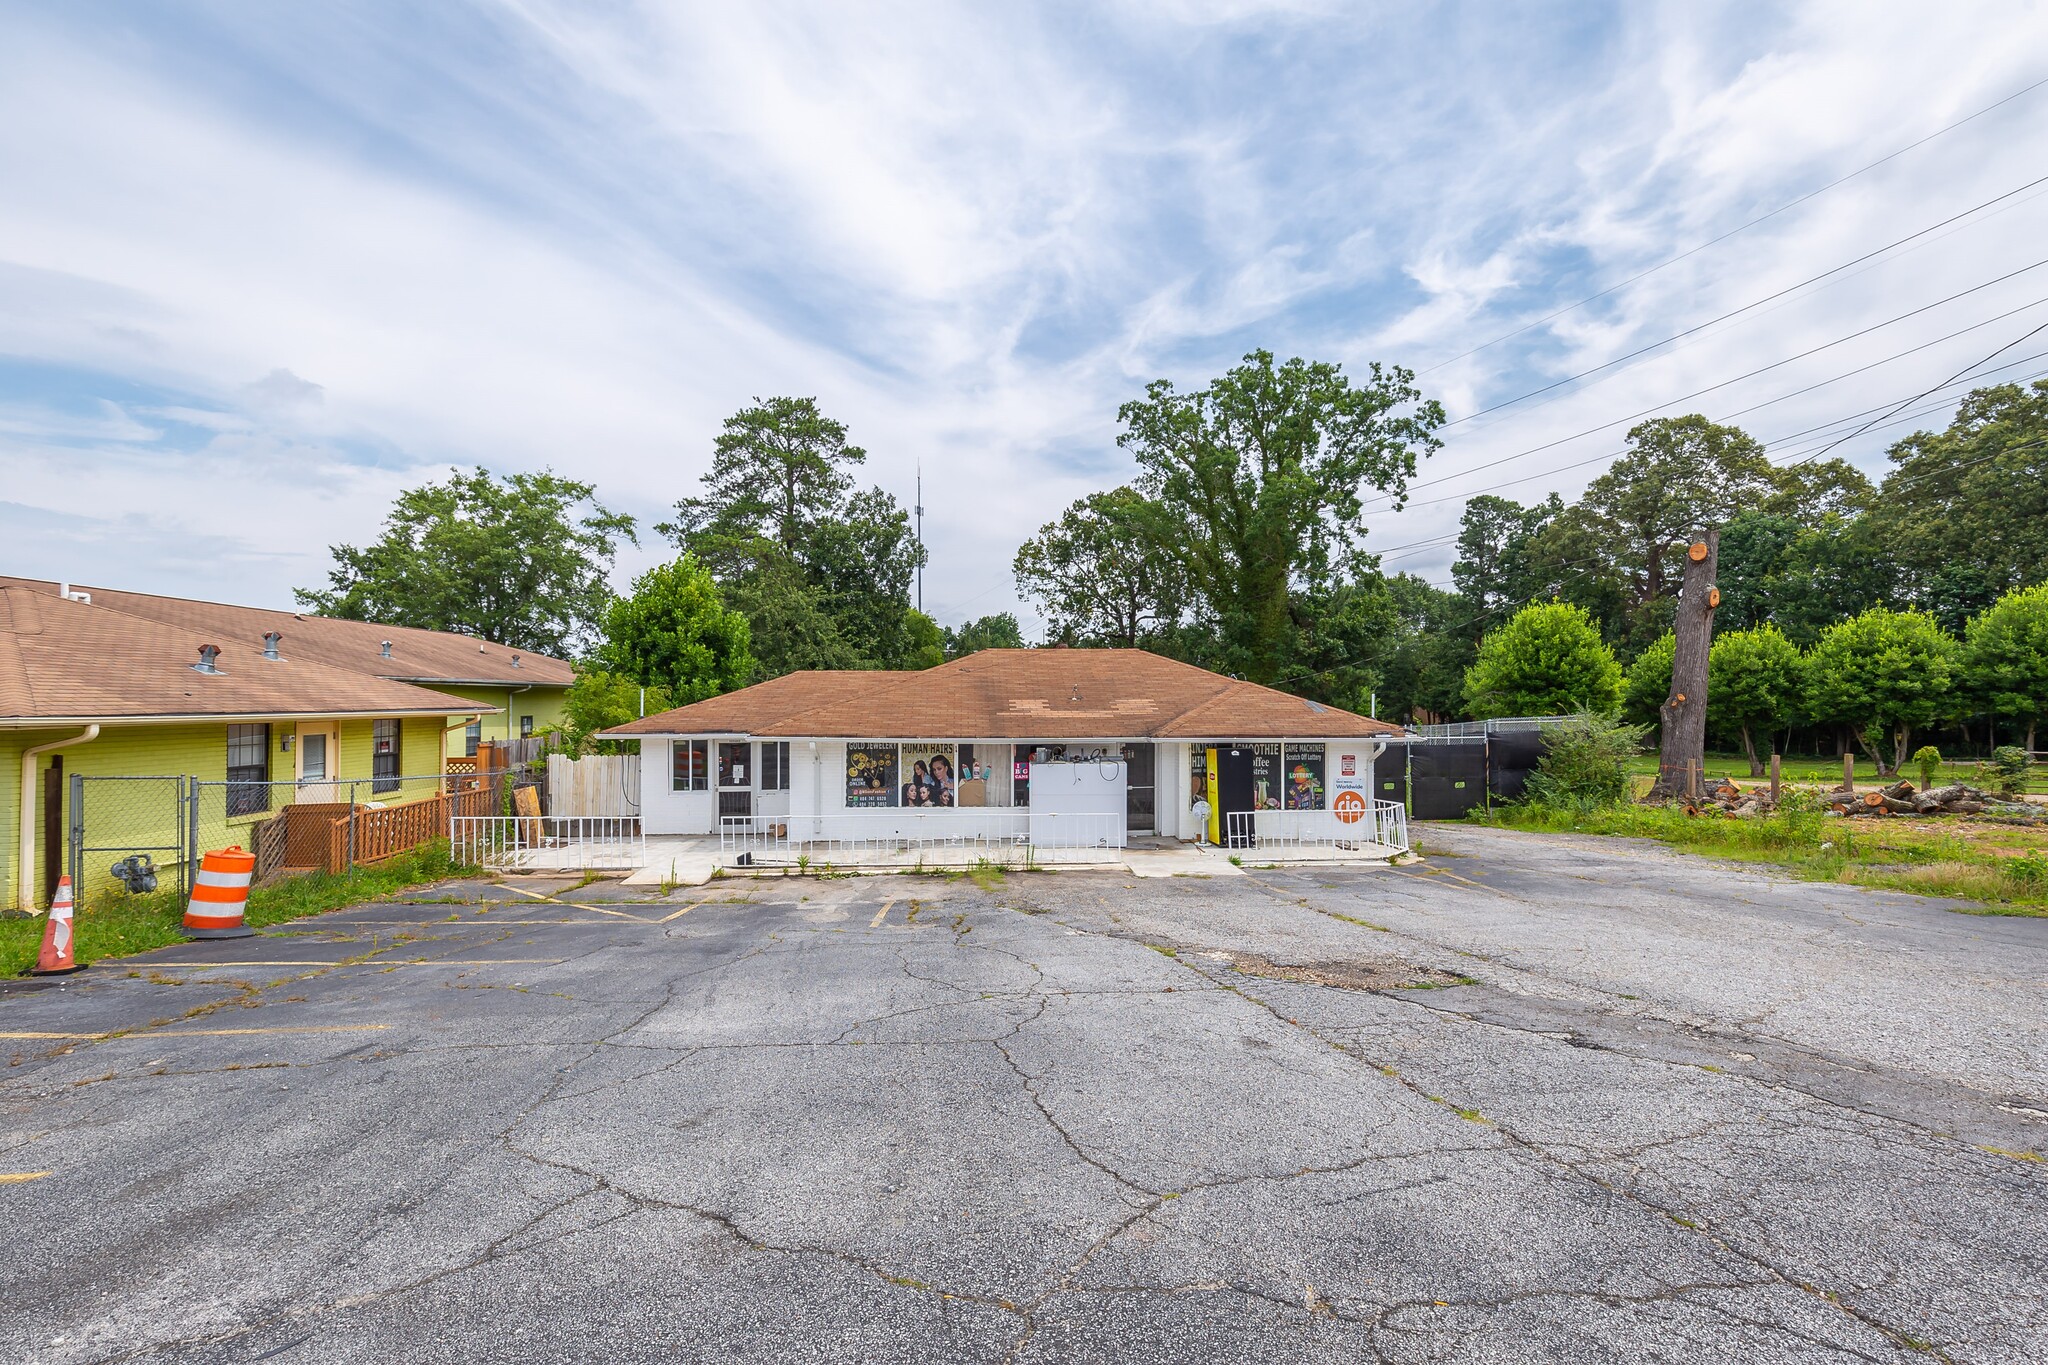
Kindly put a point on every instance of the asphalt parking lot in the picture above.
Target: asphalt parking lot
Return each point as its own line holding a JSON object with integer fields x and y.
{"x": 1533, "y": 1099}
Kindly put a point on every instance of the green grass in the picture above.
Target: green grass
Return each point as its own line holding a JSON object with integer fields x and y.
{"x": 1828, "y": 770}
{"x": 2003, "y": 869}
{"x": 121, "y": 924}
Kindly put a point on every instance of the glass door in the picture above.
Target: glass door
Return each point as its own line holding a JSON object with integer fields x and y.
{"x": 735, "y": 790}
{"x": 1140, "y": 788}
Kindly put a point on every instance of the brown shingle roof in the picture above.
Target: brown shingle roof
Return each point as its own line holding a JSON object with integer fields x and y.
{"x": 1025, "y": 694}
{"x": 423, "y": 656}
{"x": 62, "y": 661}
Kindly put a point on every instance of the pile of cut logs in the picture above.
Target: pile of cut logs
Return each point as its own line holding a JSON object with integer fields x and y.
{"x": 1901, "y": 798}
{"x": 1724, "y": 796}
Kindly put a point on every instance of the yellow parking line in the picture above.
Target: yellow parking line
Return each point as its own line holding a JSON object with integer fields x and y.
{"x": 684, "y": 911}
{"x": 881, "y": 914}
{"x": 373, "y": 962}
{"x": 207, "y": 1032}
{"x": 578, "y": 905}
{"x": 21, "y": 1177}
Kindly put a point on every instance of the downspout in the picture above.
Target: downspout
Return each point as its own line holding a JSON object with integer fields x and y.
{"x": 510, "y": 693}
{"x": 24, "y": 878}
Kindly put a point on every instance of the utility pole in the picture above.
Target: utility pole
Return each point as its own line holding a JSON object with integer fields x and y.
{"x": 920, "y": 535}
{"x": 1682, "y": 742}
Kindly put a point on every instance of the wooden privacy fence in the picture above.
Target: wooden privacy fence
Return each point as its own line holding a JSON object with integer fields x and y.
{"x": 595, "y": 785}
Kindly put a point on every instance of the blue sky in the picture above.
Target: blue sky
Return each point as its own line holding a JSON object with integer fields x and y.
{"x": 262, "y": 265}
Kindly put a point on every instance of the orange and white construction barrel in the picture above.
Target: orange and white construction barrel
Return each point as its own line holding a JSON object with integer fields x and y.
{"x": 219, "y": 895}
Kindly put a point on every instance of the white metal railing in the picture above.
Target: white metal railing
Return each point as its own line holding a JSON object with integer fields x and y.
{"x": 992, "y": 829}
{"x": 1377, "y": 830}
{"x": 550, "y": 843}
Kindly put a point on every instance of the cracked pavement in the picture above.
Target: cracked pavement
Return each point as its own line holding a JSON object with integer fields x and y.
{"x": 1538, "y": 1098}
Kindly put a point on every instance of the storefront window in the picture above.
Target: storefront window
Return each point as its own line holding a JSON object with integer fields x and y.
{"x": 692, "y": 766}
{"x": 931, "y": 775}
{"x": 1304, "y": 777}
{"x": 870, "y": 776}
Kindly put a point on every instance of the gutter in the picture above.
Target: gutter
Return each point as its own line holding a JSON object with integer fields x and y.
{"x": 224, "y": 717}
{"x": 24, "y": 872}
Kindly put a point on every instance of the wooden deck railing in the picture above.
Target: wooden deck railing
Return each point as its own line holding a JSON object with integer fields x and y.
{"x": 387, "y": 831}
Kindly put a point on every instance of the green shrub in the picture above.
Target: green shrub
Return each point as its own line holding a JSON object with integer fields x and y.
{"x": 2009, "y": 769}
{"x": 1928, "y": 758}
{"x": 1585, "y": 764}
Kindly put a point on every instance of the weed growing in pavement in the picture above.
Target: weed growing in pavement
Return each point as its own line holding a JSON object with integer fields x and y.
{"x": 136, "y": 924}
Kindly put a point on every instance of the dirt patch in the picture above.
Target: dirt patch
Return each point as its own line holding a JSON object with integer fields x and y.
{"x": 1350, "y": 976}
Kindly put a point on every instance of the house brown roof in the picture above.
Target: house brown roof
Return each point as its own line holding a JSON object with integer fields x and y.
{"x": 63, "y": 661}
{"x": 1023, "y": 694}
{"x": 421, "y": 656}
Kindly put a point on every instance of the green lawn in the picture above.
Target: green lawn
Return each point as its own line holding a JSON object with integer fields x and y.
{"x": 124, "y": 924}
{"x": 2002, "y": 867}
{"x": 1828, "y": 771}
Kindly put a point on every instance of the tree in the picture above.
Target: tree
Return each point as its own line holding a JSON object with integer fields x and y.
{"x": 1753, "y": 683}
{"x": 789, "y": 625}
{"x": 1802, "y": 578}
{"x": 1823, "y": 488}
{"x": 1493, "y": 568}
{"x": 1882, "y": 673}
{"x": 2005, "y": 658}
{"x": 1648, "y": 683}
{"x": 822, "y": 573}
{"x": 674, "y": 633}
{"x": 1422, "y": 661}
{"x": 1966, "y": 510}
{"x": 1680, "y": 474}
{"x": 1257, "y": 482}
{"x": 1548, "y": 660}
{"x": 516, "y": 560}
{"x": 1682, "y": 725}
{"x": 923, "y": 641}
{"x": 778, "y": 471}
{"x": 598, "y": 700}
{"x": 999, "y": 631}
{"x": 1098, "y": 575}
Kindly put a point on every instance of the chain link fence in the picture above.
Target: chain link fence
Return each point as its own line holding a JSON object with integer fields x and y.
{"x": 128, "y": 835}
{"x": 131, "y": 835}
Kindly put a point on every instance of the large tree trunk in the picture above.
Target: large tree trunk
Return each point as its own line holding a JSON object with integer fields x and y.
{"x": 1682, "y": 752}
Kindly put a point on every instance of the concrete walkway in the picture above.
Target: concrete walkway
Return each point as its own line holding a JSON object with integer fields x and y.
{"x": 692, "y": 860}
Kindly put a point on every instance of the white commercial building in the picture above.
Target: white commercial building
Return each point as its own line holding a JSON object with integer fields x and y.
{"x": 1051, "y": 747}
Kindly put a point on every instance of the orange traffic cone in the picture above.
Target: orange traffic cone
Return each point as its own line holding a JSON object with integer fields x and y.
{"x": 57, "y": 956}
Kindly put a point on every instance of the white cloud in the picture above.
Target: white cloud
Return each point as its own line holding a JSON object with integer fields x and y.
{"x": 971, "y": 232}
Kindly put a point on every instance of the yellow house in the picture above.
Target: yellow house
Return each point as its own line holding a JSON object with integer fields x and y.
{"x": 259, "y": 718}
{"x": 515, "y": 693}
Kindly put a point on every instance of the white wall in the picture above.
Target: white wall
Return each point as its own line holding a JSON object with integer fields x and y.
{"x": 671, "y": 812}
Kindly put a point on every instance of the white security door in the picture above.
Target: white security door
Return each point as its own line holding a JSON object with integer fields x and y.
{"x": 317, "y": 745}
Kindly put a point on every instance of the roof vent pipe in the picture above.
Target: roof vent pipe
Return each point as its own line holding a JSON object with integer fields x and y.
{"x": 515, "y": 661}
{"x": 207, "y": 655}
{"x": 387, "y": 649}
{"x": 271, "y": 640}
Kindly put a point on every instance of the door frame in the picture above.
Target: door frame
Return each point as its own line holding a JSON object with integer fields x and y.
{"x": 320, "y": 789}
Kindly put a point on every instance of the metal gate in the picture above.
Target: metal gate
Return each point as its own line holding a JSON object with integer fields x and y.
{"x": 1511, "y": 755}
{"x": 119, "y": 821}
{"x": 1390, "y": 776}
{"x": 1447, "y": 778}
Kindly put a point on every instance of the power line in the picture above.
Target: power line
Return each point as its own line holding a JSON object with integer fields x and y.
{"x": 1745, "y": 308}
{"x": 1716, "y": 241}
{"x": 1615, "y": 454}
{"x": 1762, "y": 369}
{"x": 1917, "y": 397}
